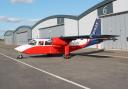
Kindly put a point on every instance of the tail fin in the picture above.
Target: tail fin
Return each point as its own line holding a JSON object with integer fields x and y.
{"x": 96, "y": 30}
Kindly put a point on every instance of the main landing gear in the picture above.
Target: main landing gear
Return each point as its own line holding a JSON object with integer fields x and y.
{"x": 67, "y": 52}
{"x": 20, "y": 56}
{"x": 67, "y": 56}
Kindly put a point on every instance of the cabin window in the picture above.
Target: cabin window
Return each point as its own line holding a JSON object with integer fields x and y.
{"x": 41, "y": 42}
{"x": 32, "y": 42}
{"x": 48, "y": 42}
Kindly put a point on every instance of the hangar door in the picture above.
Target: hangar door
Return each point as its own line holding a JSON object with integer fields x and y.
{"x": 54, "y": 31}
{"x": 9, "y": 40}
{"x": 22, "y": 38}
{"x": 116, "y": 25}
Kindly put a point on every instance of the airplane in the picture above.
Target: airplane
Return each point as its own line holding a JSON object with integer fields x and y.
{"x": 64, "y": 44}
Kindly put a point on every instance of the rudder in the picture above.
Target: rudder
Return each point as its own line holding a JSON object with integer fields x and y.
{"x": 96, "y": 30}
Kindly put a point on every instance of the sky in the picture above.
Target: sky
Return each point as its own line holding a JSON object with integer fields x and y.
{"x": 15, "y": 13}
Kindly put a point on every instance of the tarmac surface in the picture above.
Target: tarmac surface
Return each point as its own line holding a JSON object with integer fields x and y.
{"x": 87, "y": 69}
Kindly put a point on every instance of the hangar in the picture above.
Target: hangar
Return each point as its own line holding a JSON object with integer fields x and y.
{"x": 8, "y": 37}
{"x": 87, "y": 18}
{"x": 58, "y": 25}
{"x": 116, "y": 24}
{"x": 68, "y": 25}
{"x": 22, "y": 35}
{"x": 113, "y": 14}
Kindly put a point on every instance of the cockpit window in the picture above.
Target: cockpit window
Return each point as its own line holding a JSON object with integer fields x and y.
{"x": 41, "y": 42}
{"x": 49, "y": 42}
{"x": 32, "y": 42}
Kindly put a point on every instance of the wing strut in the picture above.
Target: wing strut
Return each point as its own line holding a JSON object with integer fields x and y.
{"x": 66, "y": 52}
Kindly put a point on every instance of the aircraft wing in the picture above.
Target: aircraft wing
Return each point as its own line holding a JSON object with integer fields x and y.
{"x": 104, "y": 37}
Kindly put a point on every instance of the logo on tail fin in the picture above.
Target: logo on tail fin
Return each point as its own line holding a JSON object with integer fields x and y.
{"x": 96, "y": 30}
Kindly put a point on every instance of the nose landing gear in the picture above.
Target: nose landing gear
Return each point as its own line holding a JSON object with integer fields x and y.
{"x": 20, "y": 56}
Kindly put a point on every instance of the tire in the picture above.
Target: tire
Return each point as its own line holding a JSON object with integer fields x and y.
{"x": 20, "y": 57}
{"x": 66, "y": 57}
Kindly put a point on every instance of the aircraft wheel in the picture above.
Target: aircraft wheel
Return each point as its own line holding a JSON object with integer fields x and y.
{"x": 20, "y": 57}
{"x": 67, "y": 56}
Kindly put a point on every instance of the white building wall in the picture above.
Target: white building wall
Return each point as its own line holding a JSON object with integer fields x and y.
{"x": 116, "y": 24}
{"x": 120, "y": 6}
{"x": 71, "y": 27}
{"x": 86, "y": 23}
{"x": 47, "y": 23}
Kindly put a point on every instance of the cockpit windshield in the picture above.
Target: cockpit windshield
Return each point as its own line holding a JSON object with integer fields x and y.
{"x": 32, "y": 42}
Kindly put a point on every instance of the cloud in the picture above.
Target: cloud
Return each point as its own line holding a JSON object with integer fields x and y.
{"x": 10, "y": 19}
{"x": 22, "y": 1}
{"x": 3, "y": 18}
{"x": 15, "y": 20}
{"x": 33, "y": 20}
{"x": 3, "y": 30}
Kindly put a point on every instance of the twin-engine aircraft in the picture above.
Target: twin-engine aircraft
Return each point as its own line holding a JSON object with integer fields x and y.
{"x": 64, "y": 45}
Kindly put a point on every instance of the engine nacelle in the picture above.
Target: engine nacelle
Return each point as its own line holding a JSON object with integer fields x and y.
{"x": 58, "y": 41}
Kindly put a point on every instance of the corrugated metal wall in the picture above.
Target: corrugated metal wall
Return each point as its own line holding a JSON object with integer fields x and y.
{"x": 8, "y": 38}
{"x": 54, "y": 31}
{"x": 22, "y": 38}
{"x": 71, "y": 27}
{"x": 22, "y": 35}
{"x": 116, "y": 24}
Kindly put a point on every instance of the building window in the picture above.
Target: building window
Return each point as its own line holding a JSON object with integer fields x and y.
{"x": 106, "y": 9}
{"x": 60, "y": 21}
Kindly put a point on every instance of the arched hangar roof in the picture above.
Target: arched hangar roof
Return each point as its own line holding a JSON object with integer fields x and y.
{"x": 8, "y": 33}
{"x": 76, "y": 17}
{"x": 95, "y": 7}
{"x": 56, "y": 16}
{"x": 17, "y": 29}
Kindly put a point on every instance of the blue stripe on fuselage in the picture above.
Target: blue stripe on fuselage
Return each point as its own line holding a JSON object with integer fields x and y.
{"x": 94, "y": 41}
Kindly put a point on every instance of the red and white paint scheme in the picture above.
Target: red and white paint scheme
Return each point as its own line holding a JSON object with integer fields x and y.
{"x": 64, "y": 45}
{"x": 52, "y": 46}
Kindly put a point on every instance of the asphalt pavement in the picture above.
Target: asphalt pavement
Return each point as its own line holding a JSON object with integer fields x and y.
{"x": 90, "y": 69}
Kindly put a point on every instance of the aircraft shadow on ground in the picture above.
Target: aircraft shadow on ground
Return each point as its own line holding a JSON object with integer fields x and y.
{"x": 46, "y": 56}
{"x": 91, "y": 54}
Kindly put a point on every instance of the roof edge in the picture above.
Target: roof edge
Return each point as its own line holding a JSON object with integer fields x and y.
{"x": 8, "y": 31}
{"x": 21, "y": 27}
{"x": 56, "y": 16}
{"x": 94, "y": 8}
{"x": 112, "y": 14}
